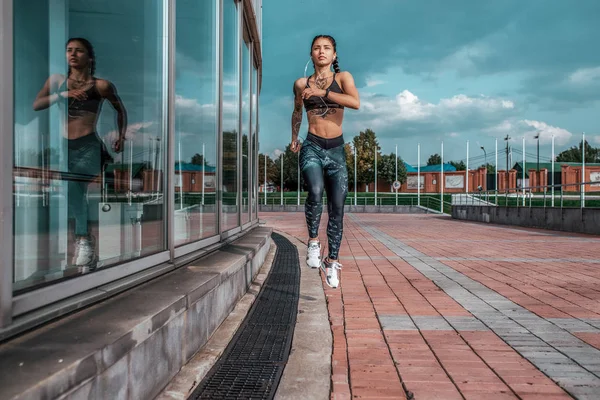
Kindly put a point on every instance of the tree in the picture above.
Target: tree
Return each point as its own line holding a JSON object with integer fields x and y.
{"x": 350, "y": 165}
{"x": 365, "y": 144}
{"x": 491, "y": 169}
{"x": 386, "y": 169}
{"x": 573, "y": 154}
{"x": 290, "y": 169}
{"x": 459, "y": 165}
{"x": 434, "y": 159}
{"x": 272, "y": 170}
{"x": 198, "y": 159}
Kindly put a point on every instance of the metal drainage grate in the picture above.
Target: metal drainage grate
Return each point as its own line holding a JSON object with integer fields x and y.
{"x": 252, "y": 364}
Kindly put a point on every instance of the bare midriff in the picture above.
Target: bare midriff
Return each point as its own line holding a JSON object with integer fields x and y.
{"x": 80, "y": 126}
{"x": 326, "y": 123}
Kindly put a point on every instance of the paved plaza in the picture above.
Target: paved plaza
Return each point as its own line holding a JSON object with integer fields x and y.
{"x": 450, "y": 310}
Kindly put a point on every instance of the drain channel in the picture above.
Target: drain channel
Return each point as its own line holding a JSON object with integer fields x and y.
{"x": 252, "y": 364}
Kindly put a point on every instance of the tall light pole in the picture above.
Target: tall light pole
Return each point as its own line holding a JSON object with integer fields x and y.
{"x": 442, "y": 180}
{"x": 552, "y": 170}
{"x": 419, "y": 174}
{"x": 375, "y": 174}
{"x": 467, "y": 171}
{"x": 265, "y": 188}
{"x": 496, "y": 174}
{"x": 485, "y": 157}
{"x": 396, "y": 176}
{"x": 281, "y": 186}
{"x": 583, "y": 170}
{"x": 507, "y": 138}
{"x": 355, "y": 183}
{"x": 537, "y": 136}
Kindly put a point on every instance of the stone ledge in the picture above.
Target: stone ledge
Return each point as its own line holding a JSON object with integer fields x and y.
{"x": 131, "y": 345}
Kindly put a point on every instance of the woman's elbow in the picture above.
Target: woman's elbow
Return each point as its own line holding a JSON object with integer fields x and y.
{"x": 356, "y": 105}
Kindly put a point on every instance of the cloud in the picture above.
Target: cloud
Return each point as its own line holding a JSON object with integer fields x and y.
{"x": 518, "y": 129}
{"x": 406, "y": 112}
{"x": 585, "y": 76}
{"x": 374, "y": 82}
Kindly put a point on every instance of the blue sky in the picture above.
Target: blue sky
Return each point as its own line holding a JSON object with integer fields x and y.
{"x": 434, "y": 70}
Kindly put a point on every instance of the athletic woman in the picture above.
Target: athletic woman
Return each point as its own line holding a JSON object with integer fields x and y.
{"x": 324, "y": 94}
{"x": 80, "y": 94}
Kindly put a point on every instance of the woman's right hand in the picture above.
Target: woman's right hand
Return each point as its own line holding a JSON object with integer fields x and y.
{"x": 296, "y": 145}
{"x": 74, "y": 93}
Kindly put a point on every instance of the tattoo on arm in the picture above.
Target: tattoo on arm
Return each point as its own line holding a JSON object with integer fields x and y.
{"x": 296, "y": 117}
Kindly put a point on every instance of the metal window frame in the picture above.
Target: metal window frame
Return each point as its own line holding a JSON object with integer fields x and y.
{"x": 6, "y": 162}
{"x": 240, "y": 41}
{"x": 219, "y": 171}
{"x": 169, "y": 177}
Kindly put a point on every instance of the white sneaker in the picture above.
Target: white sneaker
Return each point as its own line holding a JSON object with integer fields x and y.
{"x": 331, "y": 272}
{"x": 313, "y": 255}
{"x": 85, "y": 254}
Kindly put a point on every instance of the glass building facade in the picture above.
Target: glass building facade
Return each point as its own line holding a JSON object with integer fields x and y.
{"x": 129, "y": 142}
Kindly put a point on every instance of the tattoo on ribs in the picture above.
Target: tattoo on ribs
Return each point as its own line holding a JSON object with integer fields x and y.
{"x": 322, "y": 112}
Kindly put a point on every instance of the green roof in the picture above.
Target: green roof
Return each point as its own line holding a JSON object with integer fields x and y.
{"x": 547, "y": 165}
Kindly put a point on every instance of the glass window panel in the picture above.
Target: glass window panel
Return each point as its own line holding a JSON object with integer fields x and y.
{"x": 254, "y": 142}
{"x": 196, "y": 96}
{"x": 245, "y": 130}
{"x": 84, "y": 199}
{"x": 231, "y": 113}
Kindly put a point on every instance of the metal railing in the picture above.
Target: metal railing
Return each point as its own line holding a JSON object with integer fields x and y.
{"x": 428, "y": 201}
{"x": 536, "y": 196}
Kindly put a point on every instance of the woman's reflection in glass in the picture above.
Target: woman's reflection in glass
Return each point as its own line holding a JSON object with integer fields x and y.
{"x": 82, "y": 95}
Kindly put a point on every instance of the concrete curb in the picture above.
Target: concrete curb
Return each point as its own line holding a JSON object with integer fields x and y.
{"x": 191, "y": 374}
{"x": 307, "y": 374}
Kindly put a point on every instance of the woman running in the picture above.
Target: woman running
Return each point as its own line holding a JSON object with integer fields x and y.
{"x": 82, "y": 94}
{"x": 325, "y": 94}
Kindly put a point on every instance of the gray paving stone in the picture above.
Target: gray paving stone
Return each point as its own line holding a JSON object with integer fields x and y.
{"x": 505, "y": 318}
{"x": 397, "y": 323}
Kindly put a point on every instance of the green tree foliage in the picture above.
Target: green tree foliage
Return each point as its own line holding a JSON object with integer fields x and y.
{"x": 386, "y": 168}
{"x": 197, "y": 159}
{"x": 272, "y": 170}
{"x": 459, "y": 165}
{"x": 573, "y": 154}
{"x": 491, "y": 169}
{"x": 434, "y": 159}
{"x": 290, "y": 169}
{"x": 350, "y": 165}
{"x": 365, "y": 143}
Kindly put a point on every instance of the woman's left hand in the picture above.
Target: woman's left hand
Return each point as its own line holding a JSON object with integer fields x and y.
{"x": 118, "y": 144}
{"x": 309, "y": 92}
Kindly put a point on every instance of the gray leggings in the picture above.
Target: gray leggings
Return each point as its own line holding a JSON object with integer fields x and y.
{"x": 323, "y": 165}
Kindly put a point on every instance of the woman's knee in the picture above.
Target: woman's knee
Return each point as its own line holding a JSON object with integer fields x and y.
{"x": 315, "y": 193}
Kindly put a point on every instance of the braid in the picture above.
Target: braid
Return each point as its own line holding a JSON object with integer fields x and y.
{"x": 336, "y": 66}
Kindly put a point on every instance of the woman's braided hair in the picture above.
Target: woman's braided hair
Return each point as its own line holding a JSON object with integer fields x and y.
{"x": 335, "y": 63}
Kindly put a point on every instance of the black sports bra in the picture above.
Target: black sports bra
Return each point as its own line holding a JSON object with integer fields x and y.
{"x": 78, "y": 108}
{"x": 314, "y": 102}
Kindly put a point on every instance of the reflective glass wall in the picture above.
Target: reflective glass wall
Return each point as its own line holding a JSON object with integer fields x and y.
{"x": 245, "y": 128}
{"x": 89, "y": 135}
{"x": 231, "y": 114}
{"x": 93, "y": 152}
{"x": 196, "y": 119}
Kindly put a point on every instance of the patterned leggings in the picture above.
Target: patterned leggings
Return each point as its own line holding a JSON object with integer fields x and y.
{"x": 323, "y": 164}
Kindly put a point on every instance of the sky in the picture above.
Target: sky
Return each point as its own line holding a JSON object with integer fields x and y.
{"x": 433, "y": 71}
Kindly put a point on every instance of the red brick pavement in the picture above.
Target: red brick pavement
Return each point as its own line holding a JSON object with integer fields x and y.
{"x": 370, "y": 362}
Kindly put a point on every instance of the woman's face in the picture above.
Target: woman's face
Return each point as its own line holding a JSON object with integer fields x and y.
{"x": 322, "y": 52}
{"x": 77, "y": 55}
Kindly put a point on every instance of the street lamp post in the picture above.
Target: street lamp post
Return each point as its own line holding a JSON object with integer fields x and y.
{"x": 538, "y": 150}
{"x": 507, "y": 138}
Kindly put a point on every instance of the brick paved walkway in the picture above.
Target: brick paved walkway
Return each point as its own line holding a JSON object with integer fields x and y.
{"x": 457, "y": 310}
